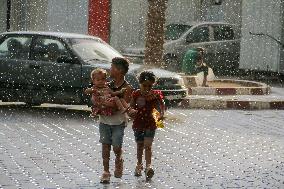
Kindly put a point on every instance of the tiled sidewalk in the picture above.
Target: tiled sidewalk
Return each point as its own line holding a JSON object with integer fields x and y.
{"x": 55, "y": 148}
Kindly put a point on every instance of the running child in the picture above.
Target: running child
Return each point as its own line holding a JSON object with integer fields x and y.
{"x": 145, "y": 100}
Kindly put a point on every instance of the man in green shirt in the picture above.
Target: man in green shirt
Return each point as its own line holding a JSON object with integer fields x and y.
{"x": 193, "y": 63}
{"x": 189, "y": 62}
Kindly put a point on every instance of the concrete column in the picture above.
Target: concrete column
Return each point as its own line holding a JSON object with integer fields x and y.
{"x": 28, "y": 14}
{"x": 3, "y": 15}
{"x": 37, "y": 14}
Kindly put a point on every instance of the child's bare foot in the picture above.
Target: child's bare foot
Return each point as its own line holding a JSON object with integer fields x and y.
{"x": 149, "y": 173}
{"x": 105, "y": 178}
{"x": 138, "y": 170}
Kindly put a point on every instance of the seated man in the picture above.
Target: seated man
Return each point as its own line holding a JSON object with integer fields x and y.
{"x": 193, "y": 63}
{"x": 14, "y": 49}
{"x": 201, "y": 66}
{"x": 53, "y": 52}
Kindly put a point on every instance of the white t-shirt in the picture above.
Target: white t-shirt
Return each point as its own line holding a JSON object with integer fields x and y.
{"x": 116, "y": 119}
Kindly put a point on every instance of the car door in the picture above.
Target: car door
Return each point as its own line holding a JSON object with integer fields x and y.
{"x": 16, "y": 74}
{"x": 226, "y": 47}
{"x": 59, "y": 81}
{"x": 199, "y": 36}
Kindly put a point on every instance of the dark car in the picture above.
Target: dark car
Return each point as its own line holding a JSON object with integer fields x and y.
{"x": 49, "y": 67}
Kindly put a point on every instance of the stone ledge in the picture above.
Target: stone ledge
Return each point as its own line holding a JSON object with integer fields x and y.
{"x": 231, "y": 104}
{"x": 246, "y": 88}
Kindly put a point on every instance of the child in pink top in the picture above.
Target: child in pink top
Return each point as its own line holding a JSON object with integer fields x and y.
{"x": 105, "y": 101}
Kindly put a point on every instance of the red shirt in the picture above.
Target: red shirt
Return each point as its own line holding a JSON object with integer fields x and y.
{"x": 144, "y": 118}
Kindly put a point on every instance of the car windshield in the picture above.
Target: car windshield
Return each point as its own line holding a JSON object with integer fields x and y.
{"x": 175, "y": 31}
{"x": 94, "y": 49}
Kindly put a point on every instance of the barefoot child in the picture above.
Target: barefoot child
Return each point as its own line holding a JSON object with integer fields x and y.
{"x": 111, "y": 127}
{"x": 145, "y": 101}
{"x": 106, "y": 102}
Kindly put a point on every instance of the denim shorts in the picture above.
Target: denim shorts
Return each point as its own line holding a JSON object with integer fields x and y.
{"x": 140, "y": 135}
{"x": 112, "y": 134}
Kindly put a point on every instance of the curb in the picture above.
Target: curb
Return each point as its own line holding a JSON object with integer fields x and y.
{"x": 231, "y": 104}
{"x": 189, "y": 103}
{"x": 250, "y": 88}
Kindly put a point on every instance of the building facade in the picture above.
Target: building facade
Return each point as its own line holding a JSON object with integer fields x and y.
{"x": 121, "y": 23}
{"x": 262, "y": 27}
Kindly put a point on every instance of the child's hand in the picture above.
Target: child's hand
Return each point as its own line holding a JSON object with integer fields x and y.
{"x": 122, "y": 91}
{"x": 88, "y": 91}
{"x": 161, "y": 118}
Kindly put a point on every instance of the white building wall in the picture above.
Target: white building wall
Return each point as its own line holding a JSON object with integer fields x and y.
{"x": 229, "y": 11}
{"x": 182, "y": 11}
{"x": 128, "y": 20}
{"x": 67, "y": 16}
{"x": 28, "y": 15}
{"x": 281, "y": 63}
{"x": 3, "y": 15}
{"x": 128, "y": 17}
{"x": 261, "y": 52}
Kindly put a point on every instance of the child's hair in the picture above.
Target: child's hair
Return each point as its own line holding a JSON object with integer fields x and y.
{"x": 98, "y": 71}
{"x": 200, "y": 53}
{"x": 121, "y": 63}
{"x": 200, "y": 49}
{"x": 147, "y": 76}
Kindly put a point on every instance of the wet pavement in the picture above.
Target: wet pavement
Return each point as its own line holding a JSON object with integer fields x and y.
{"x": 56, "y": 148}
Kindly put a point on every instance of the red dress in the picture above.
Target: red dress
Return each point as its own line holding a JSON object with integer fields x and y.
{"x": 144, "y": 118}
{"x": 99, "y": 95}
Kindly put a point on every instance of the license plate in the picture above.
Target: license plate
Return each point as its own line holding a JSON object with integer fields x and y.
{"x": 173, "y": 97}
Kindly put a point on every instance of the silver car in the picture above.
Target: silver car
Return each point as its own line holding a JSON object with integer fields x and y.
{"x": 219, "y": 39}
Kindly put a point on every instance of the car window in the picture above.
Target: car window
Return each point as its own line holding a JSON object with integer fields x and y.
{"x": 175, "y": 31}
{"x": 15, "y": 47}
{"x": 223, "y": 33}
{"x": 200, "y": 34}
{"x": 47, "y": 49}
{"x": 91, "y": 49}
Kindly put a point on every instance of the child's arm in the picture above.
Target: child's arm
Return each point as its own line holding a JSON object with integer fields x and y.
{"x": 160, "y": 105}
{"x": 162, "y": 108}
{"x": 116, "y": 93}
{"x": 132, "y": 103}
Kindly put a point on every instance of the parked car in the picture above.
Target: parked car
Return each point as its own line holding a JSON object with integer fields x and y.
{"x": 49, "y": 67}
{"x": 219, "y": 39}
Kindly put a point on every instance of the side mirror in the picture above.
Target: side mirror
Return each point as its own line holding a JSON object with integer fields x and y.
{"x": 189, "y": 38}
{"x": 65, "y": 59}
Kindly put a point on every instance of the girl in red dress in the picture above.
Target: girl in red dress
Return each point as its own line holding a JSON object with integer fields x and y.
{"x": 145, "y": 100}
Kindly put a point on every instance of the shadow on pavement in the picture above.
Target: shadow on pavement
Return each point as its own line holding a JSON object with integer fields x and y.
{"x": 44, "y": 110}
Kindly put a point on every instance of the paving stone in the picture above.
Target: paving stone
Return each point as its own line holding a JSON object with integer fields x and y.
{"x": 196, "y": 149}
{"x": 5, "y": 180}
